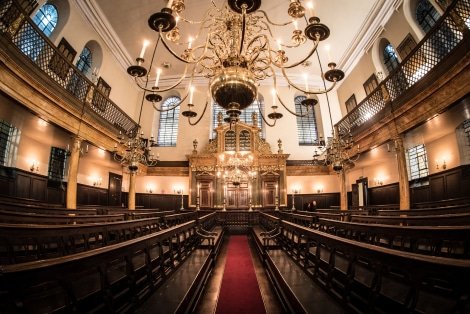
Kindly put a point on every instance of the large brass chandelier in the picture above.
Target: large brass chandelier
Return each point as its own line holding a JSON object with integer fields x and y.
{"x": 235, "y": 50}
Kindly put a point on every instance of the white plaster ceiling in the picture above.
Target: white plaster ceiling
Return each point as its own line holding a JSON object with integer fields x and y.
{"x": 123, "y": 25}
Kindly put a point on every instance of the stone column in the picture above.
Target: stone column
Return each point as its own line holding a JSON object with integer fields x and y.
{"x": 343, "y": 191}
{"x": 71, "y": 196}
{"x": 131, "y": 195}
{"x": 403, "y": 183}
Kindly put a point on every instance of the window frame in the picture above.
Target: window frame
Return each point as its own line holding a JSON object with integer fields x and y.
{"x": 168, "y": 123}
{"x": 370, "y": 84}
{"x": 307, "y": 127}
{"x": 417, "y": 158}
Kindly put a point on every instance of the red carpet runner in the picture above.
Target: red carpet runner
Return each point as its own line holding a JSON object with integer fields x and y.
{"x": 239, "y": 292}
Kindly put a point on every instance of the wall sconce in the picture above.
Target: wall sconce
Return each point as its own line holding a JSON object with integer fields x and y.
{"x": 378, "y": 181}
{"x": 34, "y": 166}
{"x": 444, "y": 166}
{"x": 319, "y": 188}
{"x": 97, "y": 181}
{"x": 149, "y": 188}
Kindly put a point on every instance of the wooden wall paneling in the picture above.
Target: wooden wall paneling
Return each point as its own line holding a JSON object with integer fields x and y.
{"x": 437, "y": 188}
{"x": 22, "y": 185}
{"x": 384, "y": 195}
{"x": 452, "y": 185}
{"x": 38, "y": 189}
{"x": 420, "y": 194}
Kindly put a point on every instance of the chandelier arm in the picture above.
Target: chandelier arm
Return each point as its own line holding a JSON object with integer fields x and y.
{"x": 305, "y": 91}
{"x": 312, "y": 51}
{"x": 264, "y": 119}
{"x": 163, "y": 89}
{"x": 204, "y": 19}
{"x": 271, "y": 22}
{"x": 171, "y": 108}
{"x": 282, "y": 103}
{"x": 178, "y": 57}
{"x": 326, "y": 94}
{"x": 202, "y": 115}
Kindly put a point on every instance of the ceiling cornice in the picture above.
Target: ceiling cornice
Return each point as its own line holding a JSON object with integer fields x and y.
{"x": 371, "y": 28}
{"x": 101, "y": 25}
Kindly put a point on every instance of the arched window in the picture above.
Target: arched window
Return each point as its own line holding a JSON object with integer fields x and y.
{"x": 390, "y": 58}
{"x": 426, "y": 15}
{"x": 85, "y": 61}
{"x": 168, "y": 125}
{"x": 46, "y": 18}
{"x": 307, "y": 124}
{"x": 245, "y": 116}
{"x": 29, "y": 40}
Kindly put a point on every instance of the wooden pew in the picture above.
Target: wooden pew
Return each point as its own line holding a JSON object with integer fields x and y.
{"x": 454, "y": 209}
{"x": 368, "y": 278}
{"x": 406, "y": 220}
{"x": 70, "y": 218}
{"x": 21, "y": 243}
{"x": 450, "y": 241}
{"x": 115, "y": 278}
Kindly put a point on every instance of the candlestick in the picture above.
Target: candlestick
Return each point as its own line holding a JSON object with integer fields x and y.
{"x": 190, "y": 42}
{"x": 170, "y": 3}
{"x": 159, "y": 71}
{"x": 191, "y": 94}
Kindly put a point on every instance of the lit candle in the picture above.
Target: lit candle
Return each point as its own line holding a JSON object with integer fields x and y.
{"x": 295, "y": 24}
{"x": 279, "y": 44}
{"x": 177, "y": 20}
{"x": 159, "y": 71}
{"x": 170, "y": 3}
{"x": 306, "y": 81}
{"x": 190, "y": 42}
{"x": 310, "y": 8}
{"x": 191, "y": 94}
{"x": 327, "y": 49}
{"x": 144, "y": 46}
{"x": 273, "y": 92}
{"x": 198, "y": 189}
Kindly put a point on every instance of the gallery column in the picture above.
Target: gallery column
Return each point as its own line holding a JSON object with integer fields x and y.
{"x": 343, "y": 192}
{"x": 71, "y": 196}
{"x": 131, "y": 196}
{"x": 403, "y": 183}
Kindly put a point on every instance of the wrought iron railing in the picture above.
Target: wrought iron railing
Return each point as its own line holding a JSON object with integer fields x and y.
{"x": 22, "y": 32}
{"x": 435, "y": 46}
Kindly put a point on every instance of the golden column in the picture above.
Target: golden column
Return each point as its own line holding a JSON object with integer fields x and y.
{"x": 403, "y": 183}
{"x": 71, "y": 197}
{"x": 343, "y": 192}
{"x": 131, "y": 194}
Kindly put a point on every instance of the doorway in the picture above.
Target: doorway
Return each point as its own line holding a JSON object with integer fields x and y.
{"x": 114, "y": 192}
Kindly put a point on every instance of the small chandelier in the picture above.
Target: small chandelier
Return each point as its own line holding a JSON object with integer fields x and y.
{"x": 235, "y": 52}
{"x": 339, "y": 151}
{"x": 137, "y": 150}
{"x": 236, "y": 167}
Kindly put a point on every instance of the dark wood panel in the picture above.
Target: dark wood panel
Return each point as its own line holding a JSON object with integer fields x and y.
{"x": 38, "y": 189}
{"x": 384, "y": 195}
{"x": 437, "y": 188}
{"x": 160, "y": 201}
{"x": 323, "y": 200}
{"x": 23, "y": 185}
{"x": 453, "y": 185}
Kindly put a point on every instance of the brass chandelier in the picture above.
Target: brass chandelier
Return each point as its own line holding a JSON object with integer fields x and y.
{"x": 235, "y": 50}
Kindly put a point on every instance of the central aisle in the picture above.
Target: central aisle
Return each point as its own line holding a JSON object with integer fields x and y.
{"x": 239, "y": 292}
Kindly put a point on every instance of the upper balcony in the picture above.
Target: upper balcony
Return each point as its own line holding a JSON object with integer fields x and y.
{"x": 24, "y": 46}
{"x": 431, "y": 78}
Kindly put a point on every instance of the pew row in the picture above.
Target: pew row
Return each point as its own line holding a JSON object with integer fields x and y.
{"x": 22, "y": 243}
{"x": 62, "y": 219}
{"x": 405, "y": 220}
{"x": 368, "y": 278}
{"x": 112, "y": 279}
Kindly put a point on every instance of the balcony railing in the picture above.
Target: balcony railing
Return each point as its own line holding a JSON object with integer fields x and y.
{"x": 22, "y": 32}
{"x": 435, "y": 47}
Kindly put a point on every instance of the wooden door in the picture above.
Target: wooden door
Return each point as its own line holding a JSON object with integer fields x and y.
{"x": 206, "y": 199}
{"x": 114, "y": 191}
{"x": 238, "y": 196}
{"x": 269, "y": 194}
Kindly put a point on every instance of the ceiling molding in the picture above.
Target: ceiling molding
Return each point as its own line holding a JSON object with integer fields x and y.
{"x": 101, "y": 25}
{"x": 368, "y": 33}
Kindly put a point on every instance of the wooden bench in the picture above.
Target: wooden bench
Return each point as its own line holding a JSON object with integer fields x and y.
{"x": 21, "y": 242}
{"x": 115, "y": 278}
{"x": 451, "y": 241}
{"x": 368, "y": 278}
{"x": 49, "y": 219}
{"x": 455, "y": 209}
{"x": 406, "y": 220}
